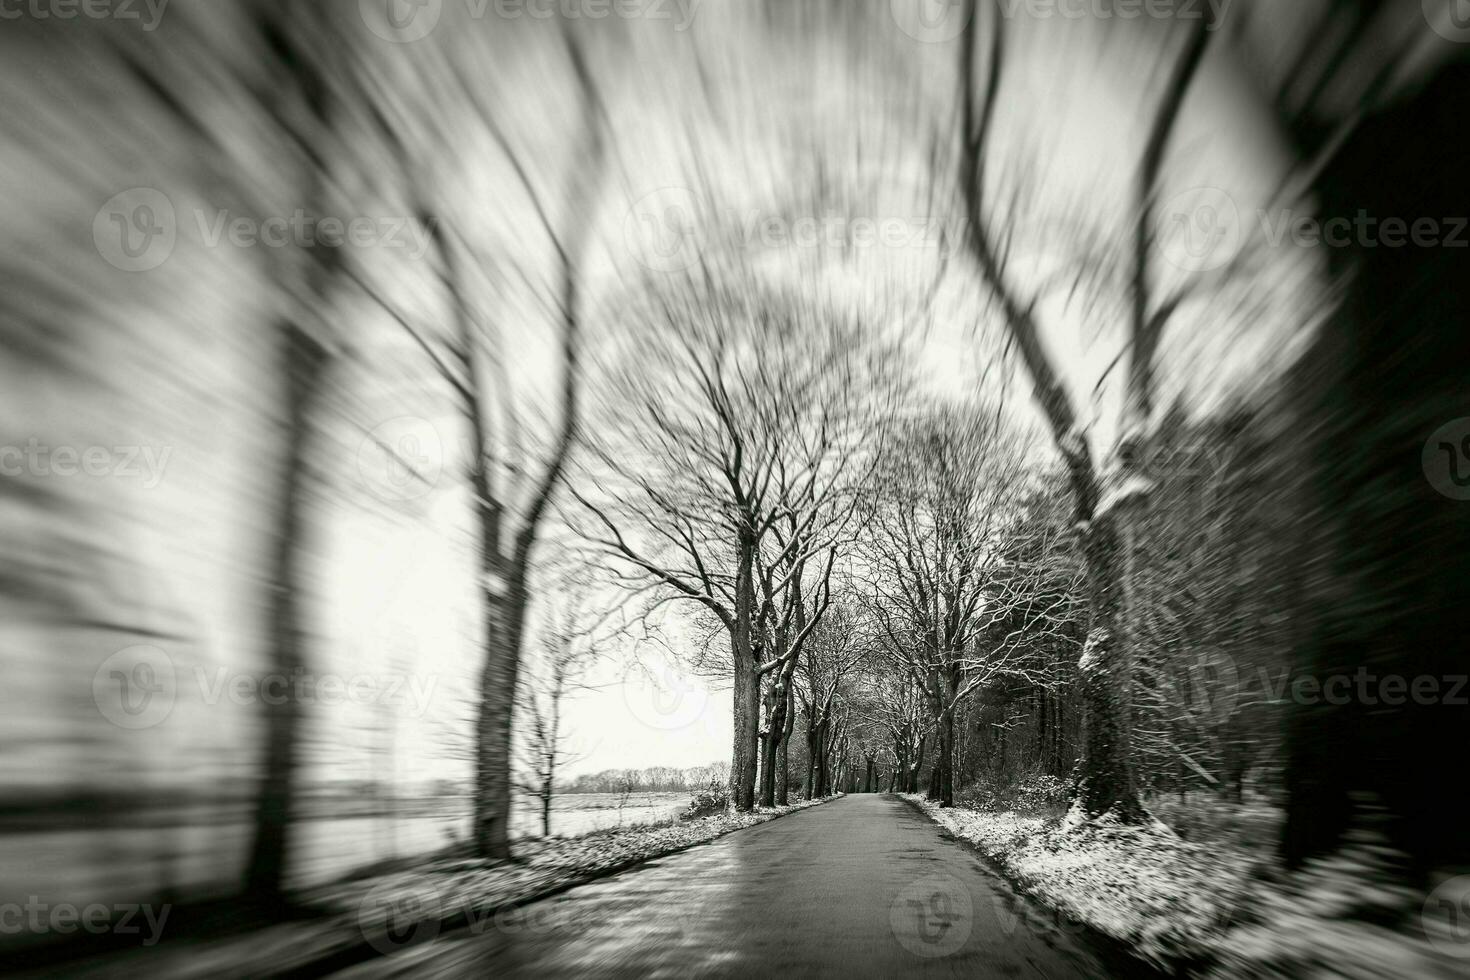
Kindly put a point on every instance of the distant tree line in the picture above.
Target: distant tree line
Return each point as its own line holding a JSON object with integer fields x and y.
{"x": 653, "y": 779}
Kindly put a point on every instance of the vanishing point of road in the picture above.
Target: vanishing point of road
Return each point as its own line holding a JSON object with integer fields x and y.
{"x": 863, "y": 886}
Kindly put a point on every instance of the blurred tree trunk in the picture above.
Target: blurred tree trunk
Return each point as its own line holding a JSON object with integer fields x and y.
{"x": 1389, "y": 558}
{"x": 499, "y": 674}
{"x": 507, "y": 553}
{"x": 303, "y": 361}
{"x": 1104, "y": 778}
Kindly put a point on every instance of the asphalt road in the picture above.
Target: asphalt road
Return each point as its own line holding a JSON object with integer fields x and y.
{"x": 862, "y": 886}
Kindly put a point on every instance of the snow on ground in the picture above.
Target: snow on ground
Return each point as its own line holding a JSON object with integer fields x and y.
{"x": 1215, "y": 907}
{"x": 1163, "y": 896}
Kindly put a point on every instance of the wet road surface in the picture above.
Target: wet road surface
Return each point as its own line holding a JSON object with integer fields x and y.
{"x": 862, "y": 886}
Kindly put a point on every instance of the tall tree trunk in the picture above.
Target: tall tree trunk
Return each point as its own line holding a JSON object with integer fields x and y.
{"x": 746, "y": 691}
{"x": 813, "y": 747}
{"x": 499, "y": 674}
{"x": 946, "y": 760}
{"x": 1103, "y": 781}
{"x": 303, "y": 362}
{"x": 783, "y": 764}
{"x": 825, "y": 782}
{"x": 745, "y": 749}
{"x": 766, "y": 767}
{"x": 773, "y": 771}
{"x": 918, "y": 766}
{"x": 506, "y": 558}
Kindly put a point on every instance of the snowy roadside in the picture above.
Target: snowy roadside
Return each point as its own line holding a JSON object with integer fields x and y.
{"x": 1163, "y": 897}
{"x": 1207, "y": 909}
{"x": 368, "y": 917}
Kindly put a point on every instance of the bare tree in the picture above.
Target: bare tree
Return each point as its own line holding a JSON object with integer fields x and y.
{"x": 1107, "y": 499}
{"x": 510, "y": 494}
{"x": 568, "y": 651}
{"x": 833, "y": 652}
{"x": 738, "y": 421}
{"x": 951, "y": 600}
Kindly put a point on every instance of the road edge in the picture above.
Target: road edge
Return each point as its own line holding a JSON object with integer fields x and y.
{"x": 363, "y": 950}
{"x": 1119, "y": 955}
